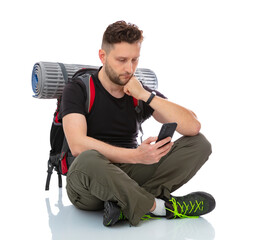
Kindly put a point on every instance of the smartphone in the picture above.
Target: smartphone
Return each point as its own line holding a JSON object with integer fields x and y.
{"x": 167, "y": 130}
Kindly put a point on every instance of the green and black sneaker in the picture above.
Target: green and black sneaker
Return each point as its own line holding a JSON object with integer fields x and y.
{"x": 112, "y": 214}
{"x": 192, "y": 205}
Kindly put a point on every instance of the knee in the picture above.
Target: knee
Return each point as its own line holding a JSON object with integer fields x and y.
{"x": 202, "y": 145}
{"x": 89, "y": 157}
{"x": 88, "y": 161}
{"x": 82, "y": 199}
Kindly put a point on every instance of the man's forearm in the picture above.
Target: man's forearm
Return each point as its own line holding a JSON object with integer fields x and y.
{"x": 113, "y": 153}
{"x": 146, "y": 153}
{"x": 166, "y": 111}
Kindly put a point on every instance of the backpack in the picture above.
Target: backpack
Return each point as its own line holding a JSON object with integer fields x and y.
{"x": 60, "y": 158}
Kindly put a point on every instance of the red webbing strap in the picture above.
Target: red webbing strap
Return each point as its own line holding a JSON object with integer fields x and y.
{"x": 64, "y": 168}
{"x": 135, "y": 101}
{"x": 92, "y": 92}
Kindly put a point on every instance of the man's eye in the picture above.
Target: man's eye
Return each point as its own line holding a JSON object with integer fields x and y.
{"x": 122, "y": 60}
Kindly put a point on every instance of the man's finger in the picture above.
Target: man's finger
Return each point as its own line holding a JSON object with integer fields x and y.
{"x": 163, "y": 142}
{"x": 150, "y": 140}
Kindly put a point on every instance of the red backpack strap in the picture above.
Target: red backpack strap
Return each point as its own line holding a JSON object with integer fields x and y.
{"x": 135, "y": 102}
{"x": 139, "y": 111}
{"x": 85, "y": 76}
{"x": 90, "y": 89}
{"x": 138, "y": 107}
{"x": 92, "y": 93}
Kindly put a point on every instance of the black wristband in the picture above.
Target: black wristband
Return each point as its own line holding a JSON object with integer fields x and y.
{"x": 150, "y": 98}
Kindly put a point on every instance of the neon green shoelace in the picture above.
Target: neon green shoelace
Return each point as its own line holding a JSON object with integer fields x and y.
{"x": 122, "y": 217}
{"x": 144, "y": 218}
{"x": 148, "y": 217}
{"x": 188, "y": 208}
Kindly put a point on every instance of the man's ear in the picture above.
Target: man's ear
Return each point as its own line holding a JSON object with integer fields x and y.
{"x": 102, "y": 56}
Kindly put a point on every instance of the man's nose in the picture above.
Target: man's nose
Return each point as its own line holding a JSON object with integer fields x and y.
{"x": 129, "y": 67}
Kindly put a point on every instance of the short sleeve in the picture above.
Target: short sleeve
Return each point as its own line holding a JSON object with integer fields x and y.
{"x": 73, "y": 99}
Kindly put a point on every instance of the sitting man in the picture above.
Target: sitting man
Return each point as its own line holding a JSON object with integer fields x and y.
{"x": 111, "y": 171}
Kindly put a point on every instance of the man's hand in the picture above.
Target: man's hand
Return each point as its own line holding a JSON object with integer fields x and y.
{"x": 148, "y": 153}
{"x": 135, "y": 89}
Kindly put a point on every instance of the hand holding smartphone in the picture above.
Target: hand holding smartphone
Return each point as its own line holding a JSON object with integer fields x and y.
{"x": 167, "y": 130}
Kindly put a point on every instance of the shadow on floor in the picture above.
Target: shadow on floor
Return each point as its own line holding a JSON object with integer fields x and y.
{"x": 72, "y": 223}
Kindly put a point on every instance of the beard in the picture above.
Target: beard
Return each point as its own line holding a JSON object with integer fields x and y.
{"x": 115, "y": 78}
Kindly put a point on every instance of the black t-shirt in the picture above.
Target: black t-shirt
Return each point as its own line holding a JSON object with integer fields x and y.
{"x": 111, "y": 120}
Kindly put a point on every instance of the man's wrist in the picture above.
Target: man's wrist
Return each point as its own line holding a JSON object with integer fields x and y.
{"x": 152, "y": 95}
{"x": 145, "y": 96}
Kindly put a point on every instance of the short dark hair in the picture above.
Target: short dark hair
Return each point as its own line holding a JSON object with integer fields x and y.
{"x": 121, "y": 31}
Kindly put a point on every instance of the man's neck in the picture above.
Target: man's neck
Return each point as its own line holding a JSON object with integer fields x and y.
{"x": 114, "y": 89}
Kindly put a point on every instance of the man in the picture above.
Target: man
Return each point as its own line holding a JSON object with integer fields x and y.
{"x": 110, "y": 170}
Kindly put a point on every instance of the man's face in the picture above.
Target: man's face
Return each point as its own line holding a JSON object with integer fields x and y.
{"x": 121, "y": 61}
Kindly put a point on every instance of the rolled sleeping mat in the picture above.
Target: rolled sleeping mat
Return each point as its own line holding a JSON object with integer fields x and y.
{"x": 147, "y": 77}
{"x": 50, "y": 78}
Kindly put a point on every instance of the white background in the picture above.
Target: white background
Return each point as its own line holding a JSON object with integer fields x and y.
{"x": 203, "y": 54}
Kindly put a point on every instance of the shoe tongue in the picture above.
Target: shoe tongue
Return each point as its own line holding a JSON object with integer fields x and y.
{"x": 169, "y": 214}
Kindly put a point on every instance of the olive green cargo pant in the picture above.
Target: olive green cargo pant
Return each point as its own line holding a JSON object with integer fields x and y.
{"x": 93, "y": 179}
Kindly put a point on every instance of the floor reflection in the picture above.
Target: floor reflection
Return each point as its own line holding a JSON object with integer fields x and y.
{"x": 71, "y": 223}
